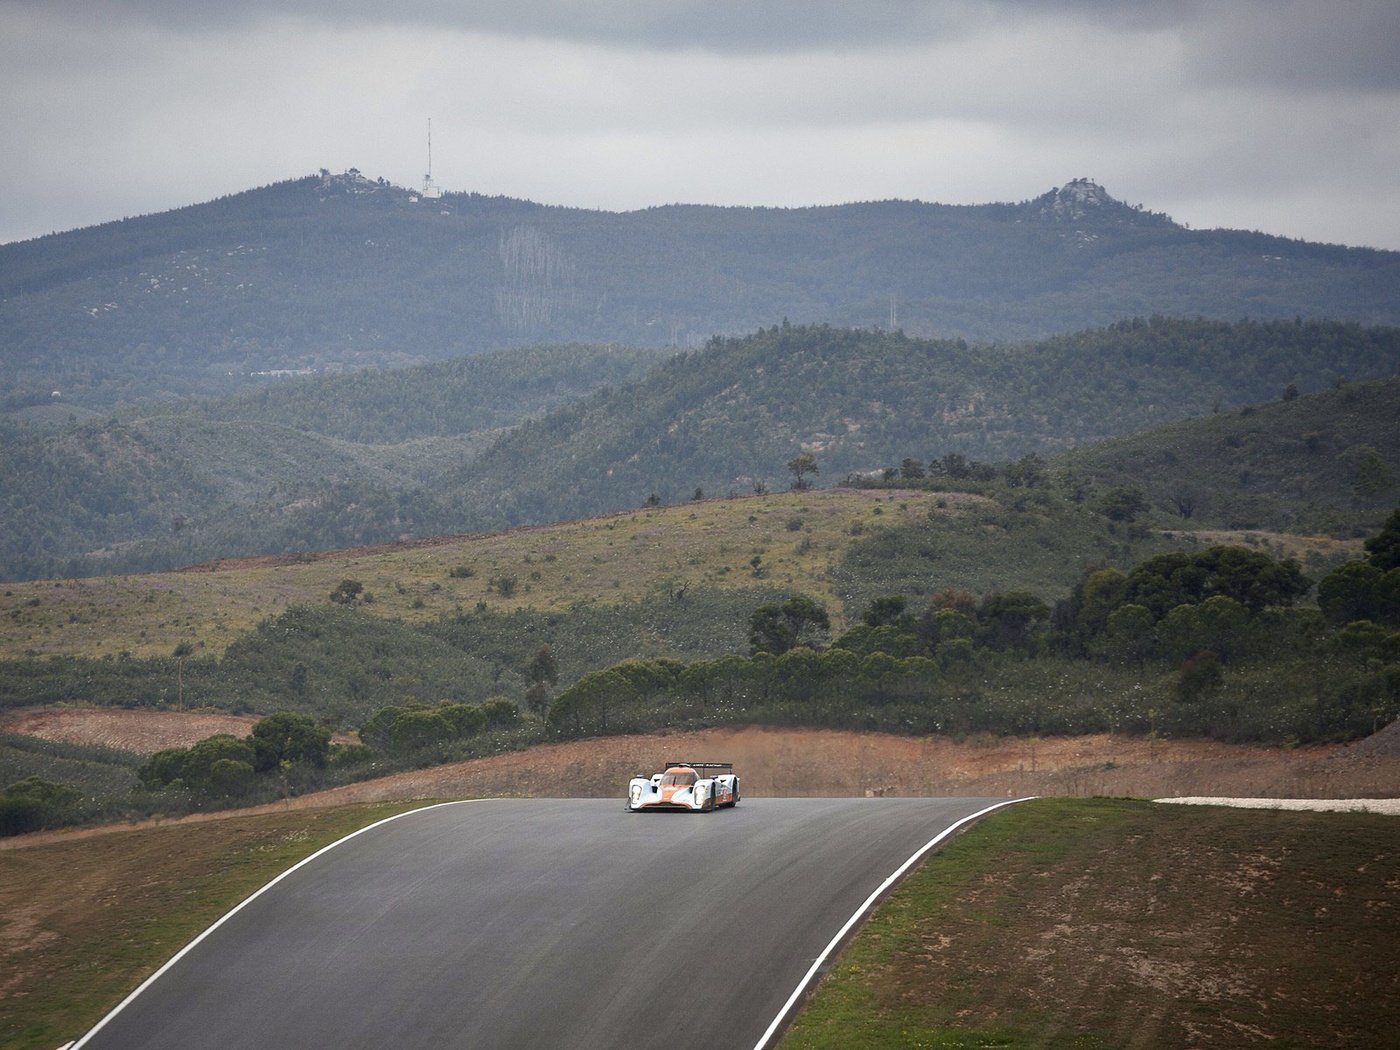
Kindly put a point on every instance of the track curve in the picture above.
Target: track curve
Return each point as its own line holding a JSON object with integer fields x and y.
{"x": 536, "y": 923}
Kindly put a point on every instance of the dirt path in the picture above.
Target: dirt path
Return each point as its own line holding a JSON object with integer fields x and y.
{"x": 142, "y": 731}
{"x": 145, "y": 732}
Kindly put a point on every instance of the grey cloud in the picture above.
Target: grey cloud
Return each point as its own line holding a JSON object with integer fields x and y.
{"x": 719, "y": 25}
{"x": 738, "y": 26}
{"x": 1300, "y": 44}
{"x": 1291, "y": 43}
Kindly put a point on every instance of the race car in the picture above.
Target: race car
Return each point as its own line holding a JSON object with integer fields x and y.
{"x": 685, "y": 785}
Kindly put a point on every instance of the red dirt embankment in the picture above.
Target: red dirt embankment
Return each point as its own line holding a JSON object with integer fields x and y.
{"x": 817, "y": 762}
{"x": 812, "y": 762}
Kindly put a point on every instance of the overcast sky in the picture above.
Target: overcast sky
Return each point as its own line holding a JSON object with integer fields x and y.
{"x": 1277, "y": 115}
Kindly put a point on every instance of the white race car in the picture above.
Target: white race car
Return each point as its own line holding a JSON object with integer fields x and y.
{"x": 685, "y": 785}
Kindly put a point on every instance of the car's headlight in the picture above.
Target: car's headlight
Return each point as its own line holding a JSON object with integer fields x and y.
{"x": 636, "y": 793}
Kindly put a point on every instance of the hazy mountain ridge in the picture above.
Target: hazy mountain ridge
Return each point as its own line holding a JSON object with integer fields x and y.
{"x": 333, "y": 272}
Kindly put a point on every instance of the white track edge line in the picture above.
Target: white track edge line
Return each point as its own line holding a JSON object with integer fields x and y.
{"x": 239, "y": 907}
{"x": 860, "y": 912}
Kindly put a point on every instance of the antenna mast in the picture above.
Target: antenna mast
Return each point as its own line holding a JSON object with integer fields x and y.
{"x": 430, "y": 190}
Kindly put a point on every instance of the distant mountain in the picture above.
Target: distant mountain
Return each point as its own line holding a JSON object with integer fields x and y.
{"x": 547, "y": 434}
{"x": 336, "y": 272}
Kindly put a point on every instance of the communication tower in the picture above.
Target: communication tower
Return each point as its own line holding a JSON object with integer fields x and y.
{"x": 430, "y": 188}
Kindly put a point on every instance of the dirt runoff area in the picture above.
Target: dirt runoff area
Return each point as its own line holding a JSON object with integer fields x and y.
{"x": 816, "y": 762}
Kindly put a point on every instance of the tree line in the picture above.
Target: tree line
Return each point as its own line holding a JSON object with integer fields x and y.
{"x": 1210, "y": 643}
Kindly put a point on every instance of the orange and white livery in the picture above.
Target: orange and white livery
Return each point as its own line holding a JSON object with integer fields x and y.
{"x": 685, "y": 785}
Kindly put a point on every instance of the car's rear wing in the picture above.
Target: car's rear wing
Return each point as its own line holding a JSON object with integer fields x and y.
{"x": 700, "y": 767}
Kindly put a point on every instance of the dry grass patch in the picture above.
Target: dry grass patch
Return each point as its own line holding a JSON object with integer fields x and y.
{"x": 1102, "y": 923}
{"x": 796, "y": 536}
{"x": 1312, "y": 551}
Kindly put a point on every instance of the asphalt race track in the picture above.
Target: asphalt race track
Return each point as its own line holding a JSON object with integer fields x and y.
{"x": 536, "y": 923}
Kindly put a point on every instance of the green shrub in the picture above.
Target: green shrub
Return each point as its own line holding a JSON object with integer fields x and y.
{"x": 33, "y": 804}
{"x": 1200, "y": 677}
{"x": 285, "y": 738}
{"x": 348, "y": 756}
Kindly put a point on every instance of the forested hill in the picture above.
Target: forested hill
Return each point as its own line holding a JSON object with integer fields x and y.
{"x": 731, "y": 416}
{"x": 1326, "y": 464}
{"x": 547, "y": 434}
{"x": 307, "y": 463}
{"x": 335, "y": 272}
{"x": 463, "y": 396}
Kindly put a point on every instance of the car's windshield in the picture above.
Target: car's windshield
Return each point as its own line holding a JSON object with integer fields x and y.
{"x": 678, "y": 779}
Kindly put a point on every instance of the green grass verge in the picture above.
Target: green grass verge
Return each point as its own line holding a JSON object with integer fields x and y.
{"x": 84, "y": 920}
{"x": 1083, "y": 924}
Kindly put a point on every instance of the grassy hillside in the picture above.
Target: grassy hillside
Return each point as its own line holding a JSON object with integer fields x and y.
{"x": 800, "y": 537}
{"x": 459, "y": 619}
{"x": 838, "y": 545}
{"x": 336, "y": 272}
